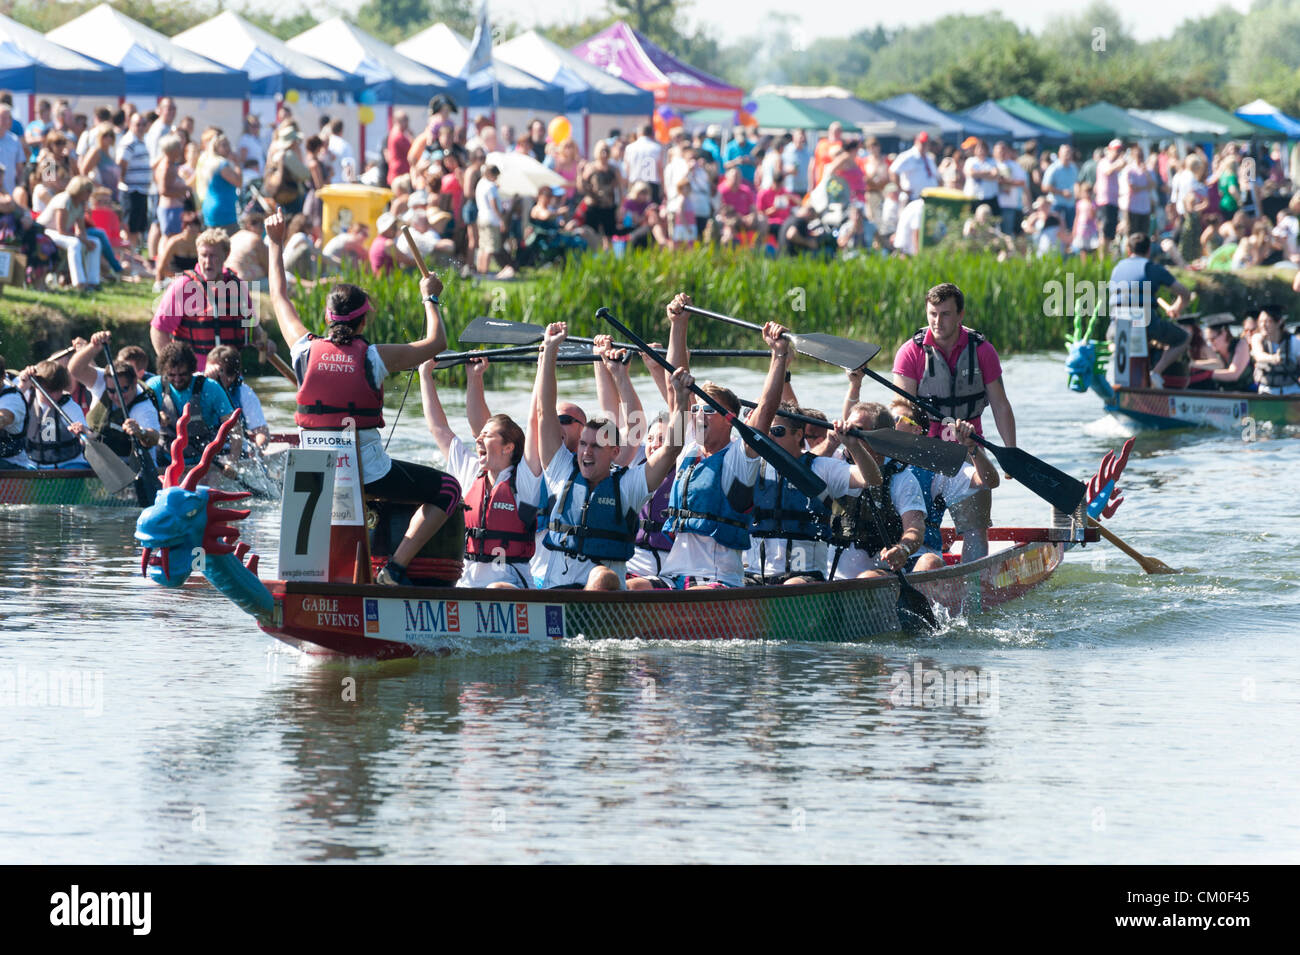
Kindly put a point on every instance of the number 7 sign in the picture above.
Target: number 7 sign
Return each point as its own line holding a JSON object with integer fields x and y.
{"x": 305, "y": 515}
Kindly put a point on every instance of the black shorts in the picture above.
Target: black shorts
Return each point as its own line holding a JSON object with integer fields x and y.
{"x": 601, "y": 220}
{"x": 1109, "y": 216}
{"x": 407, "y": 483}
{"x": 758, "y": 580}
{"x": 137, "y": 212}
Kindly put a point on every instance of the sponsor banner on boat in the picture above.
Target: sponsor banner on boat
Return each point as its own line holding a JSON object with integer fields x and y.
{"x": 427, "y": 622}
{"x": 332, "y": 614}
{"x": 1215, "y": 412}
{"x": 347, "y": 487}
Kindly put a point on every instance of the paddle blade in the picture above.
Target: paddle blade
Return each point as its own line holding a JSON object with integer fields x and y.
{"x": 844, "y": 352}
{"x": 498, "y": 331}
{"x": 914, "y": 608}
{"x": 111, "y": 469}
{"x": 1053, "y": 485}
{"x": 942, "y": 457}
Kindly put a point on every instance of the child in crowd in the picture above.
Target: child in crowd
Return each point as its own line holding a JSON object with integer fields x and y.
{"x": 1086, "y": 237}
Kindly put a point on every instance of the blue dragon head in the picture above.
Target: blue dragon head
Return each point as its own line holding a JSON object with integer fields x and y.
{"x": 185, "y": 526}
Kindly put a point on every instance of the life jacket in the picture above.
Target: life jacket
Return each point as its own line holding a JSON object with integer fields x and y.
{"x": 1246, "y": 380}
{"x": 698, "y": 504}
{"x": 601, "y": 529}
{"x": 786, "y": 512}
{"x": 960, "y": 395}
{"x": 200, "y": 431}
{"x": 48, "y": 439}
{"x": 935, "y": 505}
{"x": 1285, "y": 372}
{"x": 497, "y": 521}
{"x": 106, "y": 420}
{"x": 852, "y": 523}
{"x": 650, "y": 533}
{"x": 336, "y": 385}
{"x": 212, "y": 327}
{"x": 11, "y": 444}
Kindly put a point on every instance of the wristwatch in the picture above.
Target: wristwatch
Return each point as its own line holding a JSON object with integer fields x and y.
{"x": 432, "y": 299}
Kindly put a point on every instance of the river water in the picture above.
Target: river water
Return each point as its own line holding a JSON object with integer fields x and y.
{"x": 1116, "y": 717}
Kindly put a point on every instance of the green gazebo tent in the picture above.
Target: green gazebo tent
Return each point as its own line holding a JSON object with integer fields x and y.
{"x": 1083, "y": 132}
{"x": 1238, "y": 128}
{"x": 772, "y": 112}
{"x": 1121, "y": 122}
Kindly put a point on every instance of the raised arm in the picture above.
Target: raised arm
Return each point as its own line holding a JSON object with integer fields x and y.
{"x": 761, "y": 417}
{"x": 434, "y": 416}
{"x": 82, "y": 365}
{"x": 678, "y": 355}
{"x": 865, "y": 472}
{"x": 291, "y": 327}
{"x": 549, "y": 434}
{"x": 476, "y": 406}
{"x": 657, "y": 372}
{"x": 399, "y": 357}
{"x": 606, "y": 389}
{"x": 986, "y": 472}
{"x": 854, "y": 393}
{"x": 660, "y": 464}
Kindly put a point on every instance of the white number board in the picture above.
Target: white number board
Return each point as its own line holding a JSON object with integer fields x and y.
{"x": 305, "y": 515}
{"x": 347, "y": 510}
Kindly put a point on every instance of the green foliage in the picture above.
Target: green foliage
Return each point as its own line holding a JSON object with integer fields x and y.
{"x": 168, "y": 17}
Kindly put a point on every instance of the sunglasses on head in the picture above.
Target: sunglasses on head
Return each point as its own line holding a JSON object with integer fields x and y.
{"x": 568, "y": 419}
{"x": 703, "y": 409}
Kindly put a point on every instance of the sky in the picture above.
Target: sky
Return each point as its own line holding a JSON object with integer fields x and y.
{"x": 730, "y": 18}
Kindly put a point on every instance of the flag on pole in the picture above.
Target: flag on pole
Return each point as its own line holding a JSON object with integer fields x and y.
{"x": 480, "y": 49}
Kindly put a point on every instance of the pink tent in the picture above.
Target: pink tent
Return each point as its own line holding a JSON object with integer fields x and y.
{"x": 624, "y": 53}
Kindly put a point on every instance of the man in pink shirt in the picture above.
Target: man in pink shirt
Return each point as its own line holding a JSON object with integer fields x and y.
{"x": 954, "y": 368}
{"x": 381, "y": 249}
{"x": 1106, "y": 193}
{"x": 737, "y": 212}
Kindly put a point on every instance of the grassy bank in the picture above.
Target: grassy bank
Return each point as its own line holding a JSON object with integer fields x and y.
{"x": 881, "y": 300}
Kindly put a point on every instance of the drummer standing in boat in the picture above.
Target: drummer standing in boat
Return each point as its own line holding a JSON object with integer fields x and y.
{"x": 1134, "y": 288}
{"x": 956, "y": 369}
{"x": 341, "y": 381}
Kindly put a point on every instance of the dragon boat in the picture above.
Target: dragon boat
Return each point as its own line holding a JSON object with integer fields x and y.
{"x": 1117, "y": 373}
{"x": 329, "y": 605}
{"x": 81, "y": 487}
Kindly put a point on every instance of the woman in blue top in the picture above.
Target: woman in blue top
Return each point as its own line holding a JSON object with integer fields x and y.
{"x": 218, "y": 184}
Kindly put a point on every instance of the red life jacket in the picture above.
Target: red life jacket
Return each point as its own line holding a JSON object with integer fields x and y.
{"x": 205, "y": 326}
{"x": 336, "y": 385}
{"x": 498, "y": 522}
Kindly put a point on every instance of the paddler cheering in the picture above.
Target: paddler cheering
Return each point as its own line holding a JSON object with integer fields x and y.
{"x": 342, "y": 377}
{"x": 954, "y": 368}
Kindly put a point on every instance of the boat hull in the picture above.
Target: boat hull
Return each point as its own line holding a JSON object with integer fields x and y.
{"x": 381, "y": 622}
{"x": 1223, "y": 410}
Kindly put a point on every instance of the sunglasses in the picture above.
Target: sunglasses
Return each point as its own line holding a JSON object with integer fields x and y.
{"x": 703, "y": 409}
{"x": 906, "y": 420}
{"x": 567, "y": 419}
{"x": 778, "y": 430}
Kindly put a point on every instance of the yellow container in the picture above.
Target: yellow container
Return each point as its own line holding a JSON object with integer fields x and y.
{"x": 346, "y": 203}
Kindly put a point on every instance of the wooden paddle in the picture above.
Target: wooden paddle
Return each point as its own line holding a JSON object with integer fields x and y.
{"x": 843, "y": 352}
{"x": 108, "y": 467}
{"x": 1149, "y": 564}
{"x": 146, "y": 482}
{"x": 788, "y": 466}
{"x": 931, "y": 454}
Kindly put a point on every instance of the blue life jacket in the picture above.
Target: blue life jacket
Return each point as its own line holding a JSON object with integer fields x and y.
{"x": 934, "y": 508}
{"x": 784, "y": 511}
{"x": 601, "y": 528}
{"x": 698, "y": 504}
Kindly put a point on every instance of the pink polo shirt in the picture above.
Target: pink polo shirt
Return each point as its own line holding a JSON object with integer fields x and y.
{"x": 910, "y": 362}
{"x": 740, "y": 199}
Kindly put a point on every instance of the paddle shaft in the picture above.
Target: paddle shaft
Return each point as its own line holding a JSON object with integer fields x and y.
{"x": 799, "y": 475}
{"x": 410, "y": 375}
{"x": 148, "y": 473}
{"x": 1149, "y": 564}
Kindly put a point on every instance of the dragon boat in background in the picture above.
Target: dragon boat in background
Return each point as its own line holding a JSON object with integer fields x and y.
{"x": 1117, "y": 373}
{"x": 329, "y": 605}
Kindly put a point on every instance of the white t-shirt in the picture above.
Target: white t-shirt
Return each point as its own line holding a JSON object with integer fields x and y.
{"x": 915, "y": 172}
{"x": 907, "y": 237}
{"x": 643, "y": 159}
{"x": 341, "y": 149}
{"x": 15, "y": 405}
{"x": 768, "y": 554}
{"x": 144, "y": 414}
{"x": 905, "y": 492}
{"x": 424, "y": 241}
{"x": 254, "y": 152}
{"x": 697, "y": 555}
{"x": 1011, "y": 197}
{"x": 253, "y": 416}
{"x": 375, "y": 462}
{"x": 462, "y": 462}
{"x": 562, "y": 568}
{"x": 488, "y": 198}
{"x": 981, "y": 188}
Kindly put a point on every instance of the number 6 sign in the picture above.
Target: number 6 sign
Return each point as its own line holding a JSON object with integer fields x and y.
{"x": 305, "y": 515}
